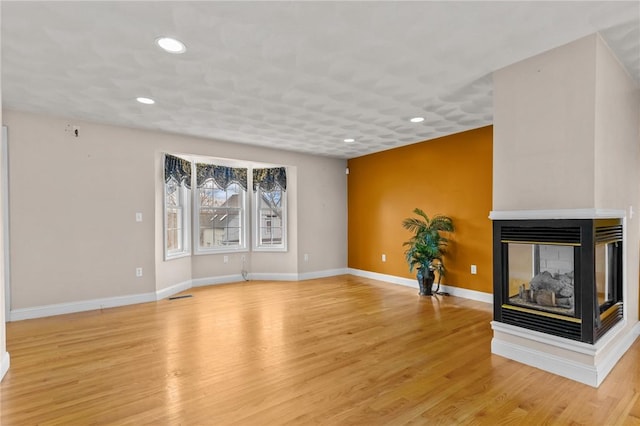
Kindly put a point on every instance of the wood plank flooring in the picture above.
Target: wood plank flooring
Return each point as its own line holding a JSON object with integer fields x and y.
{"x": 335, "y": 351}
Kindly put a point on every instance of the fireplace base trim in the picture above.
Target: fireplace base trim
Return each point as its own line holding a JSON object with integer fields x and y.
{"x": 581, "y": 362}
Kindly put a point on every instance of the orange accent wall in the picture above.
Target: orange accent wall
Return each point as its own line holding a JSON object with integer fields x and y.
{"x": 451, "y": 175}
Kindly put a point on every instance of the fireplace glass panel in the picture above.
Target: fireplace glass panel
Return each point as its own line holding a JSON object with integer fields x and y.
{"x": 605, "y": 264}
{"x": 541, "y": 276}
{"x": 602, "y": 289}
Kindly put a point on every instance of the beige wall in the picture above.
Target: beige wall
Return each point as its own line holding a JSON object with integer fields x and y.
{"x": 72, "y": 208}
{"x": 322, "y": 216}
{"x": 4, "y": 358}
{"x": 543, "y": 117}
{"x": 617, "y": 142}
{"x": 73, "y": 204}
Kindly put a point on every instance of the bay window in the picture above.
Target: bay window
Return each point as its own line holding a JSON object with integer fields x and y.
{"x": 216, "y": 214}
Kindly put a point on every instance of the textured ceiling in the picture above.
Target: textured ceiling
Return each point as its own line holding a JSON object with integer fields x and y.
{"x": 299, "y": 76}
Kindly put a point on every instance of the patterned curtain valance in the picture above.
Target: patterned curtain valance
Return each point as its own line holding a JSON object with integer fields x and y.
{"x": 223, "y": 176}
{"x": 267, "y": 179}
{"x": 178, "y": 169}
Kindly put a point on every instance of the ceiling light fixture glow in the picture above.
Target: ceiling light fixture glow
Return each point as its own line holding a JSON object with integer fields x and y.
{"x": 171, "y": 45}
{"x": 349, "y": 140}
{"x": 146, "y": 101}
{"x": 417, "y": 119}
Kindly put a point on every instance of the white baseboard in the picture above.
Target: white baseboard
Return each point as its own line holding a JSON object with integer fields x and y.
{"x": 81, "y": 306}
{"x": 111, "y": 302}
{"x": 384, "y": 277}
{"x": 4, "y": 364}
{"x": 174, "y": 289}
{"x": 468, "y": 294}
{"x": 224, "y": 279}
{"x": 452, "y": 290}
{"x": 266, "y": 276}
{"x": 322, "y": 274}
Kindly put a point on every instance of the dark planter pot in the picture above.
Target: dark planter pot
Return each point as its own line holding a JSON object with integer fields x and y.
{"x": 425, "y": 281}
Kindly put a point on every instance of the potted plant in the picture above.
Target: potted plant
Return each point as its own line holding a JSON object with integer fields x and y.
{"x": 426, "y": 247}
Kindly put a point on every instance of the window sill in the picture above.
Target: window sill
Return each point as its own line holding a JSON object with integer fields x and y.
{"x": 270, "y": 249}
{"x": 220, "y": 251}
{"x": 168, "y": 257}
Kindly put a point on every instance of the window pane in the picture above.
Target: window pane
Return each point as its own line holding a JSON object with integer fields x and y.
{"x": 206, "y": 194}
{"x": 179, "y": 239}
{"x": 270, "y": 234}
{"x": 233, "y": 236}
{"x": 207, "y": 216}
{"x": 207, "y": 238}
{"x": 270, "y": 220}
{"x": 172, "y": 196}
{"x": 220, "y": 197}
{"x": 222, "y": 220}
{"x": 172, "y": 218}
{"x": 221, "y": 216}
{"x": 233, "y": 201}
{"x": 172, "y": 239}
{"x": 271, "y": 199}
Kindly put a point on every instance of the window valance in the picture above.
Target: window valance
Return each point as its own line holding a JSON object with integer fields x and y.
{"x": 178, "y": 169}
{"x": 223, "y": 176}
{"x": 267, "y": 179}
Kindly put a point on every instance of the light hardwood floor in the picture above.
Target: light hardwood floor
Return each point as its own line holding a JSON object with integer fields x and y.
{"x": 340, "y": 350}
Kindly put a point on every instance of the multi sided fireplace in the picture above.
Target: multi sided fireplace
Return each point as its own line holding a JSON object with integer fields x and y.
{"x": 559, "y": 276}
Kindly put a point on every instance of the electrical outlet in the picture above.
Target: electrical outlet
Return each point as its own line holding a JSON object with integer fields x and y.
{"x": 138, "y": 217}
{"x": 138, "y": 272}
{"x": 474, "y": 269}
{"x": 306, "y": 257}
{"x": 384, "y": 257}
{"x": 225, "y": 259}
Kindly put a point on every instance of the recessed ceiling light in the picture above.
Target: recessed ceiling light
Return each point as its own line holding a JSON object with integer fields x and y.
{"x": 417, "y": 119}
{"x": 171, "y": 45}
{"x": 146, "y": 101}
{"x": 349, "y": 140}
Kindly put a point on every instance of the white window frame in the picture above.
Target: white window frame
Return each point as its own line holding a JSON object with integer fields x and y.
{"x": 242, "y": 247}
{"x": 256, "y": 228}
{"x": 185, "y": 203}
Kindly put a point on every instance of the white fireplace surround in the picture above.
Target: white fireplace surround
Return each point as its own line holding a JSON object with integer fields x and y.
{"x": 585, "y": 363}
{"x": 559, "y": 214}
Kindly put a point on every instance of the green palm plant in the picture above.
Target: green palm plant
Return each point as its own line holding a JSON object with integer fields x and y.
{"x": 426, "y": 247}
